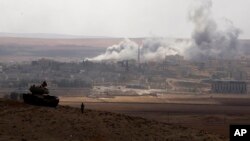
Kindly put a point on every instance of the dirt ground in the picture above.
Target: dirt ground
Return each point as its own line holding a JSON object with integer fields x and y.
{"x": 22, "y": 122}
{"x": 211, "y": 113}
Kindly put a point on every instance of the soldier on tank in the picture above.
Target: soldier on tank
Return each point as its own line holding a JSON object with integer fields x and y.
{"x": 44, "y": 84}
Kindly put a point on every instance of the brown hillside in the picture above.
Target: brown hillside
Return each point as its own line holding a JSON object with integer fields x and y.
{"x": 23, "y": 122}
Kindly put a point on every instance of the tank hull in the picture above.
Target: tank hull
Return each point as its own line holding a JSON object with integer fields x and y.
{"x": 41, "y": 100}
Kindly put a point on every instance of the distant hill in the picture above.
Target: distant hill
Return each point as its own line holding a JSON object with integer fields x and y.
{"x": 17, "y": 49}
{"x": 53, "y": 42}
{"x": 64, "y": 47}
{"x": 47, "y": 36}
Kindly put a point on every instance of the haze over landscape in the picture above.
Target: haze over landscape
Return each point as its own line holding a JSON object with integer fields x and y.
{"x": 114, "y": 18}
{"x": 138, "y": 69}
{"x": 206, "y": 30}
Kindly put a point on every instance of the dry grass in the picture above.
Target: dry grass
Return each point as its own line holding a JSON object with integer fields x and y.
{"x": 29, "y": 123}
{"x": 211, "y": 113}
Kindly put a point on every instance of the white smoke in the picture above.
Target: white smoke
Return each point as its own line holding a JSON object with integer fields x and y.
{"x": 208, "y": 40}
{"x": 153, "y": 49}
{"x": 125, "y": 50}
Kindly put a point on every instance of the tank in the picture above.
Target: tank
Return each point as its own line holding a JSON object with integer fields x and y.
{"x": 40, "y": 96}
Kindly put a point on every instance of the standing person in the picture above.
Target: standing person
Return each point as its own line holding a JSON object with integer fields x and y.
{"x": 82, "y": 107}
{"x": 44, "y": 84}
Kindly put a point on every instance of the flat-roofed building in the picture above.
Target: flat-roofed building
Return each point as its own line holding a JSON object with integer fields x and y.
{"x": 230, "y": 87}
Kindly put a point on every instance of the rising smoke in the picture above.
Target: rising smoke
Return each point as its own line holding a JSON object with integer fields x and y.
{"x": 152, "y": 49}
{"x": 208, "y": 40}
{"x": 125, "y": 50}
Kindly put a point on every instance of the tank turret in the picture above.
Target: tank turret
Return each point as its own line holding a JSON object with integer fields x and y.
{"x": 38, "y": 90}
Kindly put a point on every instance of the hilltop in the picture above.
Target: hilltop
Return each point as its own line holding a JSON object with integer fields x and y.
{"x": 30, "y": 123}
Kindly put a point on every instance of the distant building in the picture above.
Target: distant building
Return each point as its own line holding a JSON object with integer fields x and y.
{"x": 230, "y": 87}
{"x": 136, "y": 86}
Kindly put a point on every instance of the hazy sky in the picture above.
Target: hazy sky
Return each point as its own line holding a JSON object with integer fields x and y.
{"x": 120, "y": 18}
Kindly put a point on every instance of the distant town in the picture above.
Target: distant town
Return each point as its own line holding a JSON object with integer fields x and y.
{"x": 174, "y": 74}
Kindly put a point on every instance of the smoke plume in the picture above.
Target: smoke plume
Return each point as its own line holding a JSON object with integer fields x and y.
{"x": 152, "y": 49}
{"x": 208, "y": 40}
{"x": 125, "y": 50}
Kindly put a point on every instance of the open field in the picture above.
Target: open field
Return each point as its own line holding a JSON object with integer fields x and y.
{"x": 212, "y": 113}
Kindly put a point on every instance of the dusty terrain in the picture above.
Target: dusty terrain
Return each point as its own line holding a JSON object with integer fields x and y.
{"x": 212, "y": 113}
{"x": 23, "y": 122}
